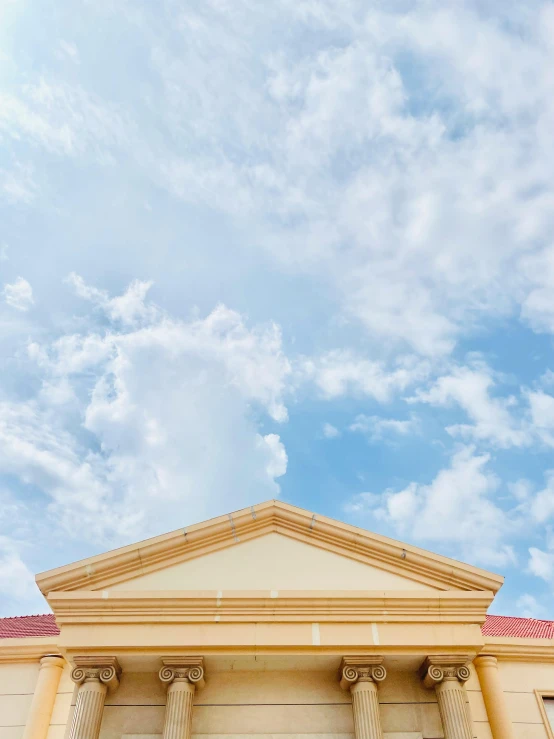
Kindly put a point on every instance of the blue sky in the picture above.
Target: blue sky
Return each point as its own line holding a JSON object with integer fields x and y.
{"x": 301, "y": 250}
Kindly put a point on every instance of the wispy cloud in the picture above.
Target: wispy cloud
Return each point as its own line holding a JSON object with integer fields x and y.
{"x": 19, "y": 294}
{"x": 377, "y": 428}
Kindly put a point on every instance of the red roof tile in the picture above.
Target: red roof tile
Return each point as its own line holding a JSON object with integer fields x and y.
{"x": 514, "y": 626}
{"x": 21, "y": 626}
{"x": 45, "y": 625}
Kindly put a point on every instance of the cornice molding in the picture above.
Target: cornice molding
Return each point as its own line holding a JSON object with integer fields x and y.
{"x": 263, "y": 606}
{"x": 28, "y": 649}
{"x": 178, "y": 546}
{"x": 514, "y": 649}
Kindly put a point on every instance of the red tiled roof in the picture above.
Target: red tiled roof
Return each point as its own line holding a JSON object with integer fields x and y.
{"x": 20, "y": 626}
{"x": 514, "y": 626}
{"x": 45, "y": 625}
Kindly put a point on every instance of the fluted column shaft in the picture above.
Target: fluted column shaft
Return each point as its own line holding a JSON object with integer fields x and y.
{"x": 182, "y": 675}
{"x": 89, "y": 709}
{"x": 178, "y": 712}
{"x": 361, "y": 678}
{"x": 451, "y": 697}
{"x": 493, "y": 695}
{"x": 365, "y": 705}
{"x": 448, "y": 681}
{"x": 40, "y": 713}
{"x": 94, "y": 677}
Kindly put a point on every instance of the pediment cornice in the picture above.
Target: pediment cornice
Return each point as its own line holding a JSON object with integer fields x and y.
{"x": 104, "y": 570}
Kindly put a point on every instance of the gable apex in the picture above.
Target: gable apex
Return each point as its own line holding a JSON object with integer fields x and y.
{"x": 273, "y": 516}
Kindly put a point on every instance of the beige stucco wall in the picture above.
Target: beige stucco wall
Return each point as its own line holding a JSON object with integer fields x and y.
{"x": 17, "y": 685}
{"x": 519, "y": 681}
{"x": 271, "y": 562}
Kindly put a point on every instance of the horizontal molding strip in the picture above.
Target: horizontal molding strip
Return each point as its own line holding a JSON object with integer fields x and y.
{"x": 363, "y": 607}
{"x": 514, "y": 649}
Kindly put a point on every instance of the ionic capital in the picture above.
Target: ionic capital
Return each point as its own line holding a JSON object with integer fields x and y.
{"x": 105, "y": 670}
{"x": 435, "y": 669}
{"x": 183, "y": 669}
{"x": 361, "y": 669}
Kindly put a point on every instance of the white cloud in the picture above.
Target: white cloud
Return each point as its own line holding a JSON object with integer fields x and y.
{"x": 65, "y": 120}
{"x": 18, "y": 185}
{"x": 390, "y": 205}
{"x": 456, "y": 509}
{"x": 471, "y": 389}
{"x": 17, "y": 583}
{"x": 541, "y": 564}
{"x": 330, "y": 431}
{"x": 529, "y": 607}
{"x": 68, "y": 50}
{"x": 395, "y": 202}
{"x": 277, "y": 455}
{"x": 377, "y": 428}
{"x": 521, "y": 489}
{"x": 340, "y": 373}
{"x": 542, "y": 503}
{"x": 541, "y": 407}
{"x": 19, "y": 294}
{"x": 171, "y": 407}
{"x": 129, "y": 308}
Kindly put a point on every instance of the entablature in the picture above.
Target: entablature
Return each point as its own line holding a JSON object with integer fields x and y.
{"x": 270, "y": 606}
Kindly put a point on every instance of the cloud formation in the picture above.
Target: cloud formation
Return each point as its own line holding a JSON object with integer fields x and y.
{"x": 457, "y": 507}
{"x": 129, "y": 432}
{"x": 304, "y": 211}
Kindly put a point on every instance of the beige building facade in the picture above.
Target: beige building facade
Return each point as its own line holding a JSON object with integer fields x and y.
{"x": 272, "y": 621}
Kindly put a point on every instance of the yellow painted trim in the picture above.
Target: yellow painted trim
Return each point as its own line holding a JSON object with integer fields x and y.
{"x": 28, "y": 649}
{"x": 259, "y": 606}
{"x": 540, "y": 694}
{"x": 113, "y": 567}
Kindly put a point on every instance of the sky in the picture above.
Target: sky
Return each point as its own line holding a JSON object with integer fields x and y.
{"x": 299, "y": 250}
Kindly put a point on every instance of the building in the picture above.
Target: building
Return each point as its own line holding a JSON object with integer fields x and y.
{"x": 273, "y": 621}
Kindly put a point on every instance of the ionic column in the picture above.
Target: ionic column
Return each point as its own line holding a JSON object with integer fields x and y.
{"x": 182, "y": 675}
{"x": 94, "y": 676}
{"x": 40, "y": 713}
{"x": 448, "y": 675}
{"x": 361, "y": 675}
{"x": 493, "y": 695}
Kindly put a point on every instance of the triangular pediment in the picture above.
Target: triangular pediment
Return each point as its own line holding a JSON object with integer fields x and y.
{"x": 273, "y": 562}
{"x": 271, "y": 546}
